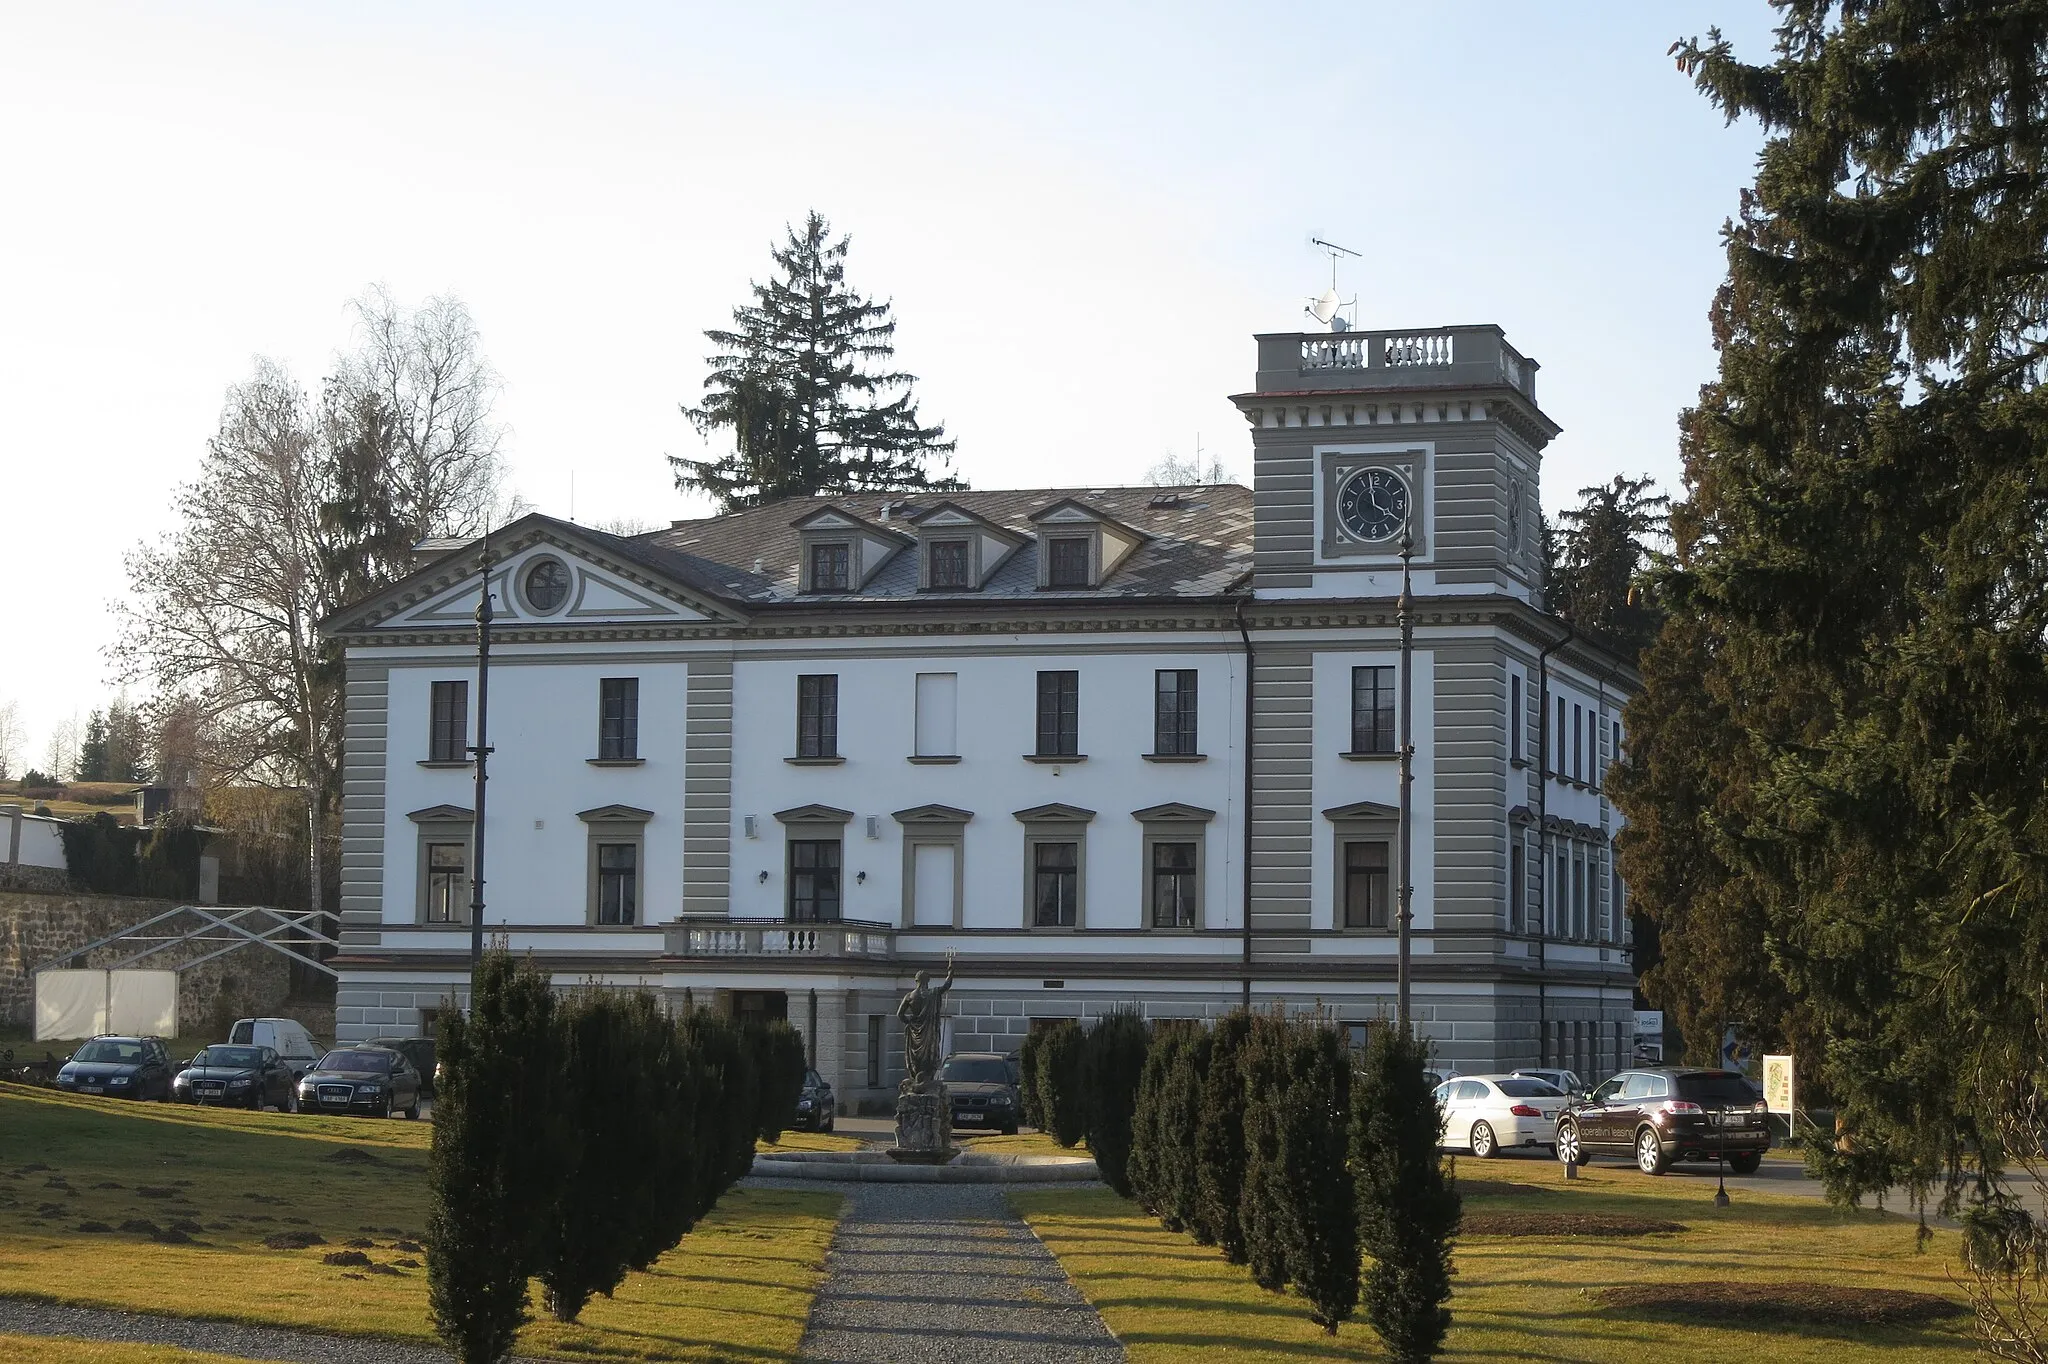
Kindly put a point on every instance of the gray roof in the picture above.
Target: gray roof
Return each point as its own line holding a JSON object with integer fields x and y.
{"x": 1201, "y": 546}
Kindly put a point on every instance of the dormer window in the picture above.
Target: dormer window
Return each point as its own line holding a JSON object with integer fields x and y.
{"x": 1067, "y": 561}
{"x": 831, "y": 566}
{"x": 949, "y": 565}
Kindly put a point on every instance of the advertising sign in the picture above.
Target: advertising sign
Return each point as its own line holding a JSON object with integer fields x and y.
{"x": 1736, "y": 1051}
{"x": 1778, "y": 1084}
{"x": 1649, "y": 1037}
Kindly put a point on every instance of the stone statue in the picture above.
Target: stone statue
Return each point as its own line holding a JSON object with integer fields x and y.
{"x": 920, "y": 1011}
{"x": 924, "y": 1126}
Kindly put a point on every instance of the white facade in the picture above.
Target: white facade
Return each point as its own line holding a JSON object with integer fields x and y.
{"x": 941, "y": 802}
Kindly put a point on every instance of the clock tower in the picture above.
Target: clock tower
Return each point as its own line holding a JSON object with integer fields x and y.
{"x": 1358, "y": 436}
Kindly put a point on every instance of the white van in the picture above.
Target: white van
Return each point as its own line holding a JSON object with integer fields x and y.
{"x": 285, "y": 1036}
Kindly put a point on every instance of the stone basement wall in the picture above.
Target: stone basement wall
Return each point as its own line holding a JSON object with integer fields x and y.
{"x": 40, "y": 880}
{"x": 37, "y": 929}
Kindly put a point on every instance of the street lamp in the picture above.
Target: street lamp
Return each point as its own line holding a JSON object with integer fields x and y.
{"x": 481, "y": 751}
{"x": 1405, "y": 613}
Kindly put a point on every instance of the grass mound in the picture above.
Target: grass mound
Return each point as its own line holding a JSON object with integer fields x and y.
{"x": 351, "y": 1155}
{"x": 344, "y": 1257}
{"x": 294, "y": 1240}
{"x": 1812, "y": 1304}
{"x": 1494, "y": 1188}
{"x": 1563, "y": 1224}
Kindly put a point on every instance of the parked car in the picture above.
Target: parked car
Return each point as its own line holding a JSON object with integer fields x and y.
{"x": 1567, "y": 1081}
{"x": 1668, "y": 1114}
{"x": 285, "y": 1036}
{"x": 122, "y": 1067}
{"x": 981, "y": 1090}
{"x": 419, "y": 1051}
{"x": 245, "y": 1077}
{"x": 375, "y": 1081}
{"x": 815, "y": 1110}
{"x": 1438, "y": 1074}
{"x": 1489, "y": 1113}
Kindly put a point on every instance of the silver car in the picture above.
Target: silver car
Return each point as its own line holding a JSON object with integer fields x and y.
{"x": 1488, "y": 1114}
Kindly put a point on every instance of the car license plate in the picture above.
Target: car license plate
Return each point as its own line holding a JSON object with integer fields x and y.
{"x": 90, "y": 1089}
{"x": 967, "y": 1117}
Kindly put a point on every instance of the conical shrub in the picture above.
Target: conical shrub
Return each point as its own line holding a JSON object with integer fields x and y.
{"x": 1408, "y": 1205}
{"x": 1219, "y": 1139}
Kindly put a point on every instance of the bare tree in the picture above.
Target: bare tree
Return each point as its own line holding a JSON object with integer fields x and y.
{"x": 425, "y": 368}
{"x": 60, "y": 759}
{"x": 12, "y": 738}
{"x": 626, "y": 526}
{"x": 1197, "y": 470}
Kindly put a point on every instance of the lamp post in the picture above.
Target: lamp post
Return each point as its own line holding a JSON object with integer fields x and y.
{"x": 1405, "y": 613}
{"x": 481, "y": 751}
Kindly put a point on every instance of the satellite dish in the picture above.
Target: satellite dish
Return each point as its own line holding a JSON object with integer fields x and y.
{"x": 1338, "y": 324}
{"x": 1325, "y": 308}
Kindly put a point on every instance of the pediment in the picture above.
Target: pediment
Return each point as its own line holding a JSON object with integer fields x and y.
{"x": 953, "y": 516}
{"x": 615, "y": 814}
{"x": 1173, "y": 812}
{"x": 829, "y": 518}
{"x": 1055, "y": 813}
{"x": 593, "y": 584}
{"x": 1362, "y": 810}
{"x": 443, "y": 814}
{"x": 1068, "y": 511}
{"x": 814, "y": 814}
{"x": 932, "y": 814}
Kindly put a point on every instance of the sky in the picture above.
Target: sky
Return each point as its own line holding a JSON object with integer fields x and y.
{"x": 1082, "y": 214}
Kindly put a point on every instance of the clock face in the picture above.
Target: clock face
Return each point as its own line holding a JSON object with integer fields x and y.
{"x": 1373, "y": 504}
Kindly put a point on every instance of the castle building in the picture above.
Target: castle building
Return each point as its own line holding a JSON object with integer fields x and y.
{"x": 774, "y": 762}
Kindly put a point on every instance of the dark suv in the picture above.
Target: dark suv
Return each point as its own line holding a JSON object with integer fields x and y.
{"x": 981, "y": 1090}
{"x": 1670, "y": 1113}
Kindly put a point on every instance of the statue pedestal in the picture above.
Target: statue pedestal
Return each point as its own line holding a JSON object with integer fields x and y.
{"x": 923, "y": 1130}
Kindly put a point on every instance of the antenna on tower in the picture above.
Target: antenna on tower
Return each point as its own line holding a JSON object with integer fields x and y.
{"x": 1328, "y": 309}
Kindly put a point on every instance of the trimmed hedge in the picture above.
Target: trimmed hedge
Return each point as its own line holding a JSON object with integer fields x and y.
{"x": 1062, "y": 1095}
{"x": 1028, "y": 1108}
{"x": 1408, "y": 1206}
{"x": 1219, "y": 1140}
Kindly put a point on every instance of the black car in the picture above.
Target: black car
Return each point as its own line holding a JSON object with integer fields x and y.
{"x": 814, "y": 1104}
{"x": 981, "y": 1089}
{"x": 373, "y": 1081}
{"x": 122, "y": 1067}
{"x": 1667, "y": 1114}
{"x": 243, "y": 1077}
{"x": 418, "y": 1050}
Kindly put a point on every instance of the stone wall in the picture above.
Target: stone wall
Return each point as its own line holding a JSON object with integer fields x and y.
{"x": 40, "y": 929}
{"x": 41, "y": 880}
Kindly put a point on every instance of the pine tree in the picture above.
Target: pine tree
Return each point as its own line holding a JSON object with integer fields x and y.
{"x": 802, "y": 383}
{"x": 1112, "y": 1064}
{"x": 1219, "y": 1139}
{"x": 496, "y": 1158}
{"x": 1605, "y": 546}
{"x": 1408, "y": 1207}
{"x": 1861, "y": 576}
{"x": 92, "y": 750}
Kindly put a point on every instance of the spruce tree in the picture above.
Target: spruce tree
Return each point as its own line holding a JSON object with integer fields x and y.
{"x": 496, "y": 1159}
{"x": 803, "y": 385}
{"x": 1262, "y": 1208}
{"x": 1320, "y": 1222}
{"x": 1112, "y": 1065}
{"x": 1408, "y": 1206}
{"x": 92, "y": 750}
{"x": 1861, "y": 584}
{"x": 1219, "y": 1139}
{"x": 1605, "y": 548}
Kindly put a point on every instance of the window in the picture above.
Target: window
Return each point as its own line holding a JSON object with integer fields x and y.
{"x": 1173, "y": 712}
{"x": 1173, "y": 885}
{"x": 1514, "y": 717}
{"x": 547, "y": 585}
{"x": 831, "y": 567}
{"x": 447, "y": 882}
{"x": 1372, "y": 710}
{"x": 1560, "y": 891}
{"x": 1517, "y": 890}
{"x": 448, "y": 739}
{"x": 1557, "y": 767}
{"x": 814, "y": 881}
{"x": 936, "y": 722}
{"x": 874, "y": 1051}
{"x": 949, "y": 564}
{"x": 817, "y": 716}
{"x": 618, "y": 882}
{"x": 1067, "y": 561}
{"x": 1055, "y": 884}
{"x": 618, "y": 718}
{"x": 1059, "y": 715}
{"x": 1617, "y": 922}
{"x": 1365, "y": 885}
{"x": 1578, "y": 744}
{"x": 1578, "y": 897}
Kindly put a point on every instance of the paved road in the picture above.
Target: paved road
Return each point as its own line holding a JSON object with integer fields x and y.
{"x": 934, "y": 1273}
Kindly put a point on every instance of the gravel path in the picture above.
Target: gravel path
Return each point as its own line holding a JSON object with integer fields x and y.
{"x": 924, "y": 1273}
{"x": 22, "y": 1317}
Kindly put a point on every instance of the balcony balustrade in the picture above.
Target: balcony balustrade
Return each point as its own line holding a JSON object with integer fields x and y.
{"x": 1446, "y": 357}
{"x": 777, "y": 939}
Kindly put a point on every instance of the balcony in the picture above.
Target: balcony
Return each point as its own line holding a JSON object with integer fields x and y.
{"x": 1354, "y": 362}
{"x": 716, "y": 937}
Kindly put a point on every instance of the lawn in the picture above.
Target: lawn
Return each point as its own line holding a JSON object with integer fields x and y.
{"x": 66, "y": 1350}
{"x": 192, "y": 1196}
{"x": 1530, "y": 1296}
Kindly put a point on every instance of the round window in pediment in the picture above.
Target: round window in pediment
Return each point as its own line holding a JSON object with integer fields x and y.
{"x": 546, "y": 585}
